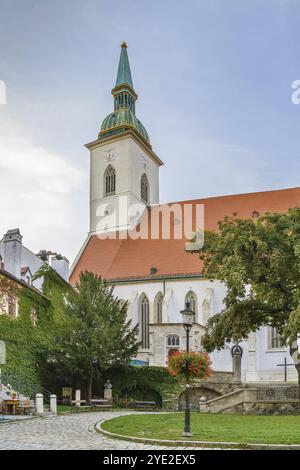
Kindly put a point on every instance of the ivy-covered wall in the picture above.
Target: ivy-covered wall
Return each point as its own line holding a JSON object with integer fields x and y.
{"x": 23, "y": 341}
{"x": 26, "y": 344}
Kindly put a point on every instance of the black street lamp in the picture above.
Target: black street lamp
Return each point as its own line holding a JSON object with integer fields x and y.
{"x": 187, "y": 319}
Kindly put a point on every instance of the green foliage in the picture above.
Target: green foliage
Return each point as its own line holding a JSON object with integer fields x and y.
{"x": 28, "y": 345}
{"x": 141, "y": 383}
{"x": 23, "y": 342}
{"x": 96, "y": 335}
{"x": 259, "y": 262}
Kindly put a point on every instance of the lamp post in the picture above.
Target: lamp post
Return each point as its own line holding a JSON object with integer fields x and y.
{"x": 187, "y": 319}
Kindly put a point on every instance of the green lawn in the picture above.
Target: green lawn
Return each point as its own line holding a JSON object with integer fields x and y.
{"x": 210, "y": 427}
{"x": 64, "y": 408}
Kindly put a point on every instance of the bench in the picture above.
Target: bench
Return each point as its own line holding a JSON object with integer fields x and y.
{"x": 100, "y": 403}
{"x": 145, "y": 404}
{"x": 79, "y": 404}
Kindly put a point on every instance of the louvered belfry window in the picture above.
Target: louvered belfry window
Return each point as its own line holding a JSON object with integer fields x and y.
{"x": 109, "y": 181}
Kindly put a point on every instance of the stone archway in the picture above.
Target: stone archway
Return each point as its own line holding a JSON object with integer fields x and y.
{"x": 195, "y": 394}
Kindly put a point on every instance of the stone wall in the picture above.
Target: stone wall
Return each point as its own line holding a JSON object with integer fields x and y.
{"x": 255, "y": 400}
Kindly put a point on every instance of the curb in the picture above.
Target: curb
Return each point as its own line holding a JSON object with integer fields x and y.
{"x": 207, "y": 444}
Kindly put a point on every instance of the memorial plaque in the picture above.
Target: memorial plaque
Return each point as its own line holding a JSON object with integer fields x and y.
{"x": 277, "y": 393}
{"x": 66, "y": 394}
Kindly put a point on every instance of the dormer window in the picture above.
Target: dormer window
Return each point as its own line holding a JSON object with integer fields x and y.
{"x": 26, "y": 275}
{"x": 145, "y": 191}
{"x": 109, "y": 181}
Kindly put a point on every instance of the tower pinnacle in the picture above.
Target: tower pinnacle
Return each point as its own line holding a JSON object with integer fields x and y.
{"x": 124, "y": 72}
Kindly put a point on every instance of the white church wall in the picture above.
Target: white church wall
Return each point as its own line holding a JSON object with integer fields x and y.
{"x": 267, "y": 360}
{"x": 176, "y": 291}
{"x": 179, "y": 288}
{"x": 141, "y": 163}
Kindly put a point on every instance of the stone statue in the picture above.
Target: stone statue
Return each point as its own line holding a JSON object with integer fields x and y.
{"x": 108, "y": 390}
{"x": 107, "y": 384}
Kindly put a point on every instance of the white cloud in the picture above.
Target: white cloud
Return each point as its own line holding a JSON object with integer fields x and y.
{"x": 37, "y": 189}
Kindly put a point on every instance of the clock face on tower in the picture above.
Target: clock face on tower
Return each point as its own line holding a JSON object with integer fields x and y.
{"x": 109, "y": 155}
{"x": 144, "y": 163}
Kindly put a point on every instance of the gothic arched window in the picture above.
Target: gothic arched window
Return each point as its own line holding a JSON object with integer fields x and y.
{"x": 158, "y": 307}
{"x": 192, "y": 299}
{"x": 109, "y": 181}
{"x": 275, "y": 341}
{"x": 173, "y": 341}
{"x": 145, "y": 191}
{"x": 144, "y": 321}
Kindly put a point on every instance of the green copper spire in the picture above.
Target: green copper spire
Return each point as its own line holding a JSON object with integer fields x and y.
{"x": 124, "y": 73}
{"x": 123, "y": 117}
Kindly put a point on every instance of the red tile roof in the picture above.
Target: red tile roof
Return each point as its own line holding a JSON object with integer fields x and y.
{"x": 128, "y": 259}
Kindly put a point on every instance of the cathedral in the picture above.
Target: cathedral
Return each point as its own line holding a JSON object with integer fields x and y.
{"x": 158, "y": 272}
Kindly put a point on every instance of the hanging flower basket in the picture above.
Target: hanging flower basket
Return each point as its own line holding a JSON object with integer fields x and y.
{"x": 196, "y": 364}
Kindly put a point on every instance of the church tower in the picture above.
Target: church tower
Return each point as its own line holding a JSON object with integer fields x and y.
{"x": 124, "y": 169}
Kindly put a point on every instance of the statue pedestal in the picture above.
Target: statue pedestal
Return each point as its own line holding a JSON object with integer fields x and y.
{"x": 107, "y": 394}
{"x": 237, "y": 368}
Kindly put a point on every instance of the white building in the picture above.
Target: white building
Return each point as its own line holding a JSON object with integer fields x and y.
{"x": 21, "y": 263}
{"x": 158, "y": 273}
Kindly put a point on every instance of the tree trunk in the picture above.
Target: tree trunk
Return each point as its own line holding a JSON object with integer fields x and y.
{"x": 89, "y": 388}
{"x": 294, "y": 354}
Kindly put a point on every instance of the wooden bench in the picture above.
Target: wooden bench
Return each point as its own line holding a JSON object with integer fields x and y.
{"x": 145, "y": 405}
{"x": 100, "y": 403}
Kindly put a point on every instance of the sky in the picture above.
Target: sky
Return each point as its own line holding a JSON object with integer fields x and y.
{"x": 214, "y": 81}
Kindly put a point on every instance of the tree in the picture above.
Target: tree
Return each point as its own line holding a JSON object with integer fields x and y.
{"x": 259, "y": 262}
{"x": 99, "y": 335}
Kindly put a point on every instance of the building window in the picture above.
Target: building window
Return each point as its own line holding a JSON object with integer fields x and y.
{"x": 173, "y": 341}
{"x": 11, "y": 306}
{"x": 145, "y": 189}
{"x": 158, "y": 307}
{"x": 109, "y": 181}
{"x": 275, "y": 341}
{"x": 192, "y": 299}
{"x": 173, "y": 344}
{"x": 144, "y": 321}
{"x": 34, "y": 316}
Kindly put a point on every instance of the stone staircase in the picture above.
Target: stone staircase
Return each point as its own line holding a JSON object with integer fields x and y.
{"x": 232, "y": 401}
{"x": 255, "y": 398}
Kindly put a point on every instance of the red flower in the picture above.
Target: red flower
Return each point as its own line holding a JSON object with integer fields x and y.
{"x": 196, "y": 364}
